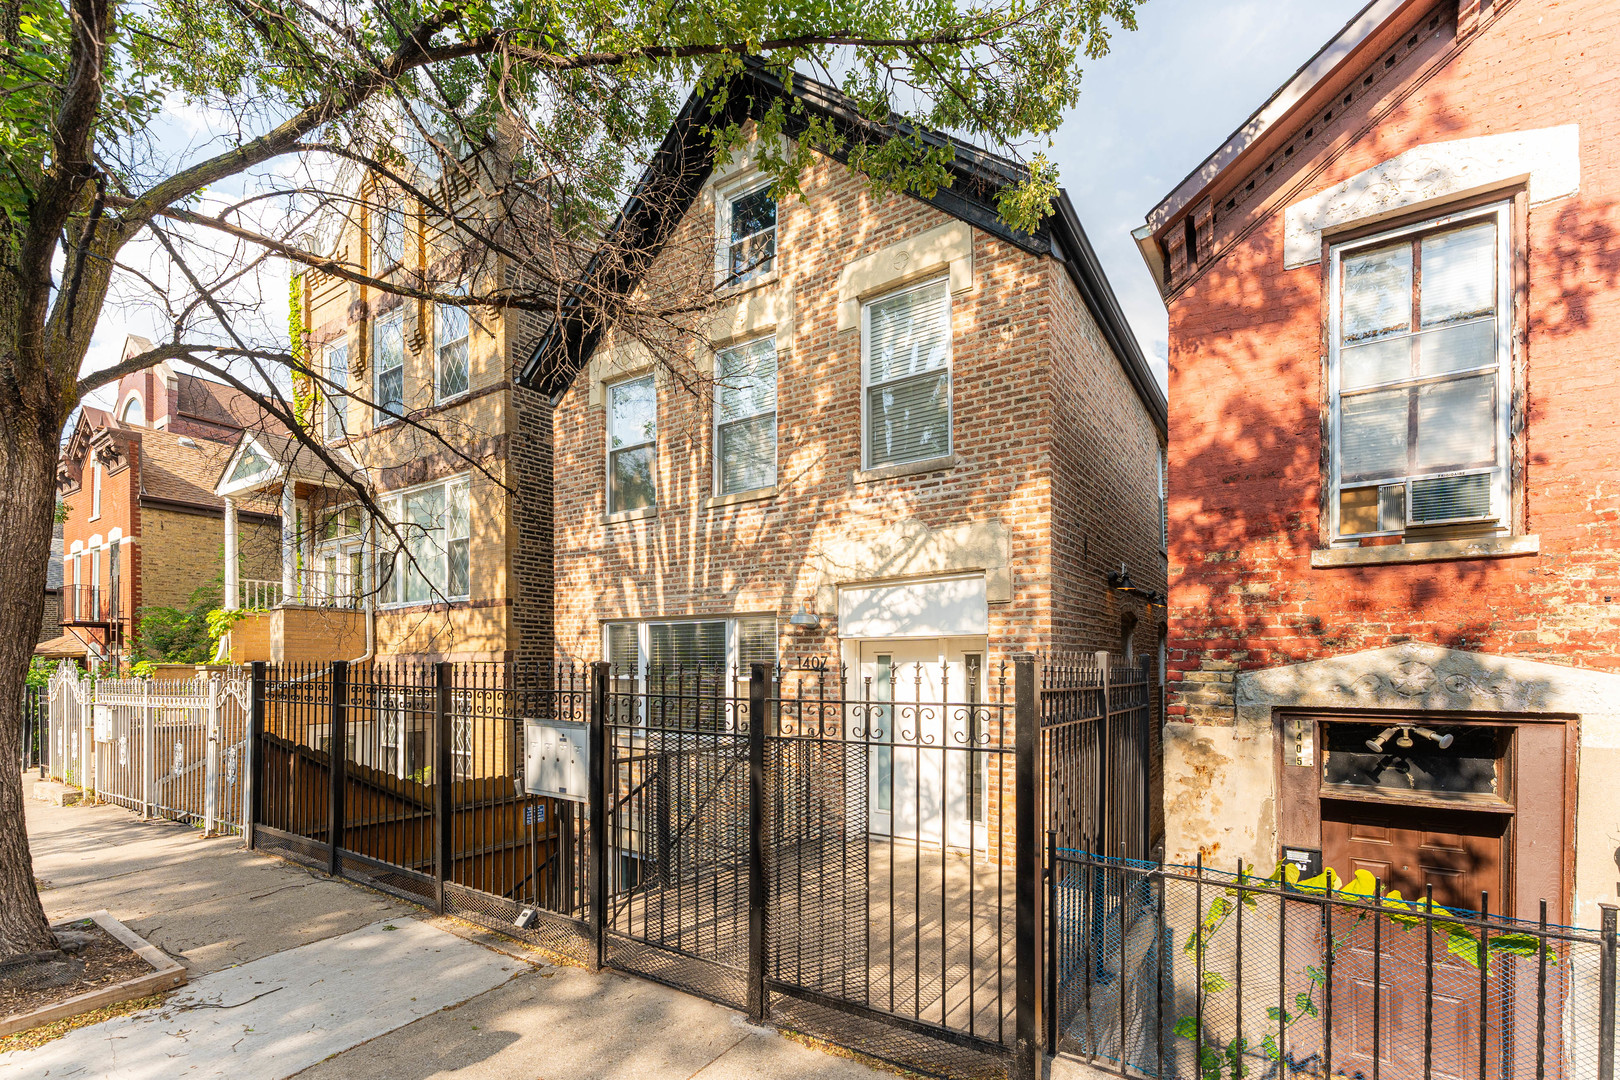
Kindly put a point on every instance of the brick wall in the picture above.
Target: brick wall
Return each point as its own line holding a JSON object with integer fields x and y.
{"x": 1246, "y": 368}
{"x": 761, "y": 556}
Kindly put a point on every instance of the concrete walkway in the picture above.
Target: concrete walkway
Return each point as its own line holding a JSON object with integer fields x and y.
{"x": 294, "y": 974}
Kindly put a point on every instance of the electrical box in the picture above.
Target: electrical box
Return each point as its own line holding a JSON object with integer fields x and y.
{"x": 1307, "y": 860}
{"x": 101, "y": 721}
{"x": 557, "y": 759}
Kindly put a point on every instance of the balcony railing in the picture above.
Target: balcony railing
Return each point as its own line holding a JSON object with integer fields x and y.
{"x": 310, "y": 589}
{"x": 89, "y": 605}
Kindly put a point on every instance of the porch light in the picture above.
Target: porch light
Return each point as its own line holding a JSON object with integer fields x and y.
{"x": 1120, "y": 581}
{"x": 803, "y": 617}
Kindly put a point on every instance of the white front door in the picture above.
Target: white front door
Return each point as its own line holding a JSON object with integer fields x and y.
{"x": 927, "y": 766}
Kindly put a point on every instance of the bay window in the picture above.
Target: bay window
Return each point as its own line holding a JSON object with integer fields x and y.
{"x": 632, "y": 424}
{"x": 1420, "y": 379}
{"x": 745, "y": 417}
{"x": 906, "y": 362}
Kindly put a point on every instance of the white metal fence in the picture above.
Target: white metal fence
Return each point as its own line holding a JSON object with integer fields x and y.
{"x": 172, "y": 749}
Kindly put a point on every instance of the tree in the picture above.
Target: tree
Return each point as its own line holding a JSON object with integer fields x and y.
{"x": 175, "y": 636}
{"x": 104, "y": 202}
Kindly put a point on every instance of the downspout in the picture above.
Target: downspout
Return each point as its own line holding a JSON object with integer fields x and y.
{"x": 366, "y": 577}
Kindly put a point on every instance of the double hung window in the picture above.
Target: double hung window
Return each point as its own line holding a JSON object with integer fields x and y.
{"x": 906, "y": 351}
{"x": 745, "y": 417}
{"x": 632, "y": 444}
{"x": 337, "y": 381}
{"x": 1419, "y": 378}
{"x": 388, "y": 358}
{"x": 748, "y": 229}
{"x": 686, "y": 660}
{"x": 429, "y": 562}
{"x": 450, "y": 350}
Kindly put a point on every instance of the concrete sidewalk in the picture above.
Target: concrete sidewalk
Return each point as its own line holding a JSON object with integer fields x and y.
{"x": 342, "y": 994}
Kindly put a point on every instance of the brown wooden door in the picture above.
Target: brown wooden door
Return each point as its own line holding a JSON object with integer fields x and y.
{"x": 1460, "y": 853}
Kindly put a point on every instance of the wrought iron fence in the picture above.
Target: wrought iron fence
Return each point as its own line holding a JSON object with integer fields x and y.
{"x": 1186, "y": 971}
{"x": 35, "y": 726}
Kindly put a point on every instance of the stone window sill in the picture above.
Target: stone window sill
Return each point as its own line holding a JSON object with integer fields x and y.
{"x": 1484, "y": 547}
{"x": 711, "y": 502}
{"x": 617, "y": 516}
{"x": 943, "y": 463}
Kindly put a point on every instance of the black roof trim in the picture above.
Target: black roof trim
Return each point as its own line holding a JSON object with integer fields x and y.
{"x": 683, "y": 162}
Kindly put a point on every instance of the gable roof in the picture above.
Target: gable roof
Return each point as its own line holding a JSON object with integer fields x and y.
{"x": 684, "y": 160}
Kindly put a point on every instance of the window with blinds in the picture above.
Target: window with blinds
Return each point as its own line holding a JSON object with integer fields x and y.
{"x": 906, "y": 350}
{"x": 1419, "y": 377}
{"x": 632, "y": 444}
{"x": 745, "y": 417}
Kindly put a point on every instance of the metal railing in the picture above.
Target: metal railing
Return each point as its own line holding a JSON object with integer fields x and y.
{"x": 311, "y": 588}
{"x": 1185, "y": 971}
{"x": 170, "y": 749}
{"x": 89, "y": 605}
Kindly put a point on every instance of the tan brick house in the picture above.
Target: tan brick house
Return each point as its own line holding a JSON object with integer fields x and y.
{"x": 1393, "y": 293}
{"x": 143, "y": 522}
{"x": 414, "y": 405}
{"x": 913, "y": 444}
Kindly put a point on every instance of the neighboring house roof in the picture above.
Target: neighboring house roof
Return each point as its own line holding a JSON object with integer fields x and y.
{"x": 684, "y": 161}
{"x": 53, "y": 570}
{"x": 180, "y": 468}
{"x": 66, "y": 646}
{"x": 281, "y": 454}
{"x": 216, "y": 403}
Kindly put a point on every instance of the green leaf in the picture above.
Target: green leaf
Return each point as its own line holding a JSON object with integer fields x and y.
{"x": 1186, "y": 1028}
{"x": 1214, "y": 982}
{"x": 1526, "y": 945}
{"x": 1464, "y": 945}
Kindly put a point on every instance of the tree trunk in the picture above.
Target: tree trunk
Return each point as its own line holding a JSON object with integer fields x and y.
{"x": 28, "y": 448}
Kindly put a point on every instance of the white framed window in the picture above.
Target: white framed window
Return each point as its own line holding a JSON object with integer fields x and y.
{"x": 95, "y": 492}
{"x": 632, "y": 450}
{"x": 745, "y": 417}
{"x": 388, "y": 361}
{"x": 657, "y": 648}
{"x": 450, "y": 326}
{"x": 388, "y": 232}
{"x": 134, "y": 413}
{"x": 430, "y": 561}
{"x": 747, "y": 231}
{"x": 906, "y": 375}
{"x": 1419, "y": 379}
{"x": 339, "y": 558}
{"x": 337, "y": 381}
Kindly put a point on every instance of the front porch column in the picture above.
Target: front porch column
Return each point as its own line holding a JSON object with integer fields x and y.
{"x": 232, "y": 593}
{"x": 306, "y": 580}
{"x": 289, "y": 540}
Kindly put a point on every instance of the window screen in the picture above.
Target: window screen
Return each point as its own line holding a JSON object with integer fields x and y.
{"x": 908, "y": 381}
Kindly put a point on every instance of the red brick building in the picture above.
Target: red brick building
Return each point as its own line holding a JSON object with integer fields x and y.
{"x": 1393, "y": 500}
{"x": 143, "y": 524}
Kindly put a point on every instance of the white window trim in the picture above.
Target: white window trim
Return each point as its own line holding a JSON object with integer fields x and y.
{"x": 1501, "y": 495}
{"x": 724, "y": 196}
{"x": 380, "y": 415}
{"x": 866, "y": 370}
{"x": 95, "y": 491}
{"x": 392, "y": 503}
{"x": 717, "y": 480}
{"x": 439, "y": 397}
{"x": 609, "y": 449}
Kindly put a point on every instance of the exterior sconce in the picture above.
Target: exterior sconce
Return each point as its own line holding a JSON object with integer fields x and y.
{"x": 804, "y": 618}
{"x": 1120, "y": 581}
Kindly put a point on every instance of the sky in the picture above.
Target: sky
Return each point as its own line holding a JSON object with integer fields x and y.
{"x": 1150, "y": 111}
{"x": 1160, "y": 102}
